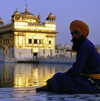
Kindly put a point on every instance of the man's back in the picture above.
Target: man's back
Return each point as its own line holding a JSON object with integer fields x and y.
{"x": 92, "y": 64}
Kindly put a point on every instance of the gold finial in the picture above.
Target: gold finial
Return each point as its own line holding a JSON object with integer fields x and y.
{"x": 26, "y": 5}
{"x": 16, "y": 8}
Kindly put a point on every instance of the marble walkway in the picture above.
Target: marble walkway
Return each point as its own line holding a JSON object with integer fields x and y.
{"x": 30, "y": 94}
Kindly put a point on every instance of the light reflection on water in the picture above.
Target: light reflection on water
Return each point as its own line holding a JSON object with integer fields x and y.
{"x": 25, "y": 75}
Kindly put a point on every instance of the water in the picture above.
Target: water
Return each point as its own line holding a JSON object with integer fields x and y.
{"x": 25, "y": 74}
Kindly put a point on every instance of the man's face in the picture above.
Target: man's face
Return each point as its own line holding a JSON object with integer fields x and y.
{"x": 75, "y": 34}
{"x": 77, "y": 39}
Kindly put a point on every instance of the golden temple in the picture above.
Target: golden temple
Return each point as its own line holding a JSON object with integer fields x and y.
{"x": 26, "y": 37}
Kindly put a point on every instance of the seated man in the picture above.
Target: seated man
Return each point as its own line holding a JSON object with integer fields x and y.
{"x": 84, "y": 76}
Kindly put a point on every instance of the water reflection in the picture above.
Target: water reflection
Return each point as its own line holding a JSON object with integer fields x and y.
{"x": 24, "y": 75}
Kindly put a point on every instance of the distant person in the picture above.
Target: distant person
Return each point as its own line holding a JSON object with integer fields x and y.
{"x": 84, "y": 76}
{"x": 34, "y": 57}
{"x": 50, "y": 55}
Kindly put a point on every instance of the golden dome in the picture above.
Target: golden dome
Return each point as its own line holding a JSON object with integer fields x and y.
{"x": 39, "y": 16}
{"x": 1, "y": 20}
{"x": 16, "y": 12}
{"x": 27, "y": 14}
{"x": 50, "y": 15}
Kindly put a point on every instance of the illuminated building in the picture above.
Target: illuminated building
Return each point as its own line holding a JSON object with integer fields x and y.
{"x": 26, "y": 37}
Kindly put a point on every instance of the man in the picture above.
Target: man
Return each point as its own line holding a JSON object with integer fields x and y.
{"x": 84, "y": 76}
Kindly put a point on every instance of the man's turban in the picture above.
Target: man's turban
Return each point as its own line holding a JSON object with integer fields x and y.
{"x": 80, "y": 26}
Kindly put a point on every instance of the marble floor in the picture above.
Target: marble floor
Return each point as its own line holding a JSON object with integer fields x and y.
{"x": 30, "y": 94}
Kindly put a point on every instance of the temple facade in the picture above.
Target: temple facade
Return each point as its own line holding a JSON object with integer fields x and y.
{"x": 26, "y": 37}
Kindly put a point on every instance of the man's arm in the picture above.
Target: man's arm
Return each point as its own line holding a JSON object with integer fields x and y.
{"x": 81, "y": 60}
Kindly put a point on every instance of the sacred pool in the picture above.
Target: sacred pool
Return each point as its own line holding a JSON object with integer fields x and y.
{"x": 28, "y": 74}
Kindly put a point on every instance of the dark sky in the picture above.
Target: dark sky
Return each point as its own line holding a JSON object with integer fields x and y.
{"x": 65, "y": 11}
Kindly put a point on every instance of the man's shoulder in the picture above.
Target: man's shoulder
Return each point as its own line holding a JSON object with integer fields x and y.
{"x": 87, "y": 42}
{"x": 87, "y": 45}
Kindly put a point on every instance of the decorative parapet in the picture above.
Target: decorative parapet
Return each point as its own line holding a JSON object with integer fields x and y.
{"x": 46, "y": 27}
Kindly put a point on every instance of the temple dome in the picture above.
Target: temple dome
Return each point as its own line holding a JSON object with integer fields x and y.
{"x": 1, "y": 20}
{"x": 27, "y": 14}
{"x": 16, "y": 12}
{"x": 39, "y": 16}
{"x": 50, "y": 17}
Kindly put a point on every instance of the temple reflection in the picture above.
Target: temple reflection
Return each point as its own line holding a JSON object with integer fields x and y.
{"x": 25, "y": 75}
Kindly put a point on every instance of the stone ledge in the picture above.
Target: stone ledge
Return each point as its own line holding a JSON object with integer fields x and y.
{"x": 30, "y": 94}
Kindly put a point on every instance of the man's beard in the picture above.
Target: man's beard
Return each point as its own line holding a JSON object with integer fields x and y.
{"x": 77, "y": 42}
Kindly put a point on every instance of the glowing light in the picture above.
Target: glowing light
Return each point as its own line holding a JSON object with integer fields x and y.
{"x": 35, "y": 37}
{"x": 49, "y": 45}
{"x": 19, "y": 81}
